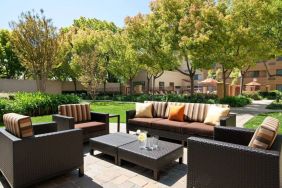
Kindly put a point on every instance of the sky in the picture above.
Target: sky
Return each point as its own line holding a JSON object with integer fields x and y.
{"x": 63, "y": 12}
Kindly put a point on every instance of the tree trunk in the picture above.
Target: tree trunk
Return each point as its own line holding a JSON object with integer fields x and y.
{"x": 131, "y": 86}
{"x": 154, "y": 83}
{"x": 148, "y": 83}
{"x": 192, "y": 85}
{"x": 75, "y": 85}
{"x": 104, "y": 88}
{"x": 41, "y": 85}
{"x": 242, "y": 82}
{"x": 120, "y": 88}
{"x": 224, "y": 81}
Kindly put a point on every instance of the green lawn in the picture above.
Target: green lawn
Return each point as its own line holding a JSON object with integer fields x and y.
{"x": 257, "y": 120}
{"x": 104, "y": 107}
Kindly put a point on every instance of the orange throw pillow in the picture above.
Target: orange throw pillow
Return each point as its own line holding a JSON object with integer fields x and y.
{"x": 176, "y": 113}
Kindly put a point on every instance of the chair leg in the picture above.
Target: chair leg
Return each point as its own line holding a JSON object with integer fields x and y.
{"x": 81, "y": 171}
{"x": 91, "y": 152}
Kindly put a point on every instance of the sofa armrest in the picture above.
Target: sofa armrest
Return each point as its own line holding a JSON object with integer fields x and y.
{"x": 130, "y": 114}
{"x": 100, "y": 117}
{"x": 228, "y": 121}
{"x": 233, "y": 135}
{"x": 41, "y": 128}
{"x": 63, "y": 122}
{"x": 220, "y": 164}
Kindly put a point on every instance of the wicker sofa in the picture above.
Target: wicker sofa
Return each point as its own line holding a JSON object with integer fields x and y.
{"x": 160, "y": 125}
{"x": 227, "y": 161}
{"x": 79, "y": 116}
{"x": 27, "y": 161}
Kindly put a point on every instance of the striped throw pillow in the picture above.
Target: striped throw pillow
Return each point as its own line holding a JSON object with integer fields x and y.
{"x": 18, "y": 125}
{"x": 265, "y": 134}
{"x": 159, "y": 108}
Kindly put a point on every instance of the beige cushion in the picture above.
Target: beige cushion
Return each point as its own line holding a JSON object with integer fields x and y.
{"x": 144, "y": 110}
{"x": 18, "y": 125}
{"x": 80, "y": 112}
{"x": 265, "y": 134}
{"x": 215, "y": 113}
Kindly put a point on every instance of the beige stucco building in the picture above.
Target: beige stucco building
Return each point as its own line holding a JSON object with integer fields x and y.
{"x": 273, "y": 79}
{"x": 170, "y": 80}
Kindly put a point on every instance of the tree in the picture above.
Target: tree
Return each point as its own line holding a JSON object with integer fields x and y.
{"x": 185, "y": 27}
{"x": 89, "y": 55}
{"x": 240, "y": 41}
{"x": 67, "y": 69}
{"x": 34, "y": 39}
{"x": 153, "y": 54}
{"x": 10, "y": 66}
{"x": 124, "y": 61}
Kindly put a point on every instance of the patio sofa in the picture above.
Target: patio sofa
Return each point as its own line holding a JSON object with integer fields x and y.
{"x": 38, "y": 152}
{"x": 79, "y": 116}
{"x": 228, "y": 161}
{"x": 194, "y": 113}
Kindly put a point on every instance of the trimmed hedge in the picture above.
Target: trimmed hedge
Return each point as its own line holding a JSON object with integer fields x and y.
{"x": 236, "y": 101}
{"x": 275, "y": 105}
{"x": 253, "y": 95}
{"x": 271, "y": 95}
{"x": 35, "y": 104}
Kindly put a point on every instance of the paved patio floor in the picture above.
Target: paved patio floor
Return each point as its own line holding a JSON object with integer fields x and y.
{"x": 100, "y": 171}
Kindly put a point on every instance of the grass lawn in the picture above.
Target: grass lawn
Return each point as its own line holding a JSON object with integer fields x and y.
{"x": 257, "y": 120}
{"x": 104, "y": 107}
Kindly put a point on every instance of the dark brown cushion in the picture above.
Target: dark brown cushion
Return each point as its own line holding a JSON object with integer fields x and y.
{"x": 167, "y": 125}
{"x": 145, "y": 122}
{"x": 91, "y": 126}
{"x": 197, "y": 128}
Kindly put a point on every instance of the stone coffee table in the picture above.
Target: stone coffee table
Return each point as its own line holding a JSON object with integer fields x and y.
{"x": 109, "y": 143}
{"x": 154, "y": 160}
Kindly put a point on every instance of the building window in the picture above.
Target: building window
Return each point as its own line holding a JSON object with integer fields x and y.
{"x": 171, "y": 85}
{"x": 279, "y": 58}
{"x": 255, "y": 74}
{"x": 139, "y": 83}
{"x": 279, "y": 72}
{"x": 196, "y": 77}
{"x": 161, "y": 85}
{"x": 279, "y": 87}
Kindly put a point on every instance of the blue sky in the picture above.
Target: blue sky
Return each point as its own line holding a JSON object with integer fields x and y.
{"x": 63, "y": 12}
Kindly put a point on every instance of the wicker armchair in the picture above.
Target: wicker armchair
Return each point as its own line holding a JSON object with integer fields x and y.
{"x": 27, "y": 161}
{"x": 79, "y": 116}
{"x": 227, "y": 161}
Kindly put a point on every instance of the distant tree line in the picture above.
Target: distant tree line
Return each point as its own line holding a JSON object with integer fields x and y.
{"x": 231, "y": 35}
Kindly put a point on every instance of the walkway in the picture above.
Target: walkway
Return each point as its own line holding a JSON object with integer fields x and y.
{"x": 244, "y": 114}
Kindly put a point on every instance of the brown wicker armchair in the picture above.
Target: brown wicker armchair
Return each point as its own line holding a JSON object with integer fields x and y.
{"x": 227, "y": 161}
{"x": 27, "y": 161}
{"x": 79, "y": 116}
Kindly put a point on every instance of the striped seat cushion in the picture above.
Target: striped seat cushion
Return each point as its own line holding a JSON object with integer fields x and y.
{"x": 18, "y": 125}
{"x": 80, "y": 112}
{"x": 265, "y": 134}
{"x": 159, "y": 108}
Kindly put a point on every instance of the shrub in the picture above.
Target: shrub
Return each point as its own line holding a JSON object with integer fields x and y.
{"x": 253, "y": 95}
{"x": 4, "y": 107}
{"x": 35, "y": 104}
{"x": 275, "y": 105}
{"x": 271, "y": 95}
{"x": 236, "y": 101}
